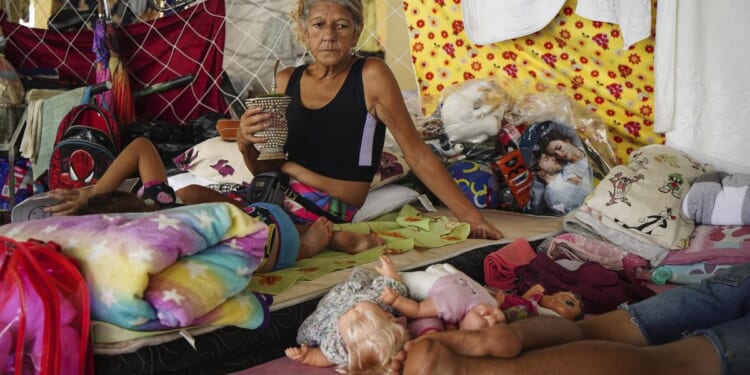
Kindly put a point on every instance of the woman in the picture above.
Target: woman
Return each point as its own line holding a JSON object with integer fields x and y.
{"x": 337, "y": 119}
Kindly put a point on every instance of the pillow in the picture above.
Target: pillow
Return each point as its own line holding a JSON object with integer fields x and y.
{"x": 392, "y": 168}
{"x": 222, "y": 162}
{"x": 216, "y": 160}
{"x": 643, "y": 199}
{"x": 384, "y": 200}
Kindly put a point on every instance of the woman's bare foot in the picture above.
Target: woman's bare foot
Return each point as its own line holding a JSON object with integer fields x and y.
{"x": 353, "y": 243}
{"x": 315, "y": 237}
{"x": 429, "y": 357}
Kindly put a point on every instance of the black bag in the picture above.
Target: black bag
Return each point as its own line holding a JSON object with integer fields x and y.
{"x": 273, "y": 187}
{"x": 267, "y": 187}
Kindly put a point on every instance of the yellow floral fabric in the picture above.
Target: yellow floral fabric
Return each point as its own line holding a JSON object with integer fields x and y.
{"x": 582, "y": 58}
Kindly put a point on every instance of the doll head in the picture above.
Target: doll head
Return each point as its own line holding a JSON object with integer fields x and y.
{"x": 567, "y": 304}
{"x": 372, "y": 337}
{"x": 480, "y": 316}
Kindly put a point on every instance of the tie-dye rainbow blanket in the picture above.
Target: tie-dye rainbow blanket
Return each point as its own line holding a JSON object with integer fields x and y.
{"x": 181, "y": 267}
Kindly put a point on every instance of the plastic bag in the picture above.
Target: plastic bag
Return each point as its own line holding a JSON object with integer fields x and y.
{"x": 44, "y": 313}
{"x": 472, "y": 111}
{"x": 532, "y": 108}
{"x": 11, "y": 87}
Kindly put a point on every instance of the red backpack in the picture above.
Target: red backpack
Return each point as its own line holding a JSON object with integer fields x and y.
{"x": 87, "y": 142}
{"x": 44, "y": 311}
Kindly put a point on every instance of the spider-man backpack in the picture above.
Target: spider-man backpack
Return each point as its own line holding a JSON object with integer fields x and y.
{"x": 87, "y": 142}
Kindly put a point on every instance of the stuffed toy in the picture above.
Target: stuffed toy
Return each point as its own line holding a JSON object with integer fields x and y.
{"x": 446, "y": 149}
{"x": 472, "y": 111}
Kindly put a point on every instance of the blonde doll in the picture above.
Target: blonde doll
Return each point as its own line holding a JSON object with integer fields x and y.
{"x": 351, "y": 328}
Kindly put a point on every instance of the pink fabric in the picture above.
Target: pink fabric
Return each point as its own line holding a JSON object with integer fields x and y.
{"x": 586, "y": 249}
{"x": 714, "y": 244}
{"x": 188, "y": 42}
{"x": 500, "y": 265}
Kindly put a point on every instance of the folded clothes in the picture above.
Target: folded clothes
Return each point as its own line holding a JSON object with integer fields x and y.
{"x": 719, "y": 198}
{"x": 500, "y": 265}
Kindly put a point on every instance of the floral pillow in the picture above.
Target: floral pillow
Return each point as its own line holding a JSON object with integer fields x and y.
{"x": 216, "y": 160}
{"x": 222, "y": 162}
{"x": 392, "y": 168}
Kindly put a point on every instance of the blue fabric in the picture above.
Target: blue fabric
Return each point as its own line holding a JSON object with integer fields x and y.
{"x": 717, "y": 309}
{"x": 288, "y": 235}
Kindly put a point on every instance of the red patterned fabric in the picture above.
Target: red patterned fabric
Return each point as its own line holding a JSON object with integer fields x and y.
{"x": 188, "y": 42}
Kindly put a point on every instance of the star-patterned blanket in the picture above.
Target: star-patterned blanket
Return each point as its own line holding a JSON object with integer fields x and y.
{"x": 181, "y": 267}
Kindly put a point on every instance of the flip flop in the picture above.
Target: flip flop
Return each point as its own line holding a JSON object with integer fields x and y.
{"x": 32, "y": 208}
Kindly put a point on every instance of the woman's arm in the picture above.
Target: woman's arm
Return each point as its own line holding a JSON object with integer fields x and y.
{"x": 385, "y": 101}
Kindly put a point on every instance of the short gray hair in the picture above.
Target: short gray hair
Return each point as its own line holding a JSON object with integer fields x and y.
{"x": 301, "y": 11}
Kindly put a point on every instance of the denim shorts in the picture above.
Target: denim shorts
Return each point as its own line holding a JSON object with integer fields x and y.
{"x": 717, "y": 309}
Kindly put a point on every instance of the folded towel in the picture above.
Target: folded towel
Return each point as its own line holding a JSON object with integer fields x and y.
{"x": 633, "y": 17}
{"x": 500, "y": 265}
{"x": 719, "y": 198}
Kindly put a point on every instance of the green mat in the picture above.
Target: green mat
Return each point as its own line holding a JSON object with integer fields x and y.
{"x": 402, "y": 231}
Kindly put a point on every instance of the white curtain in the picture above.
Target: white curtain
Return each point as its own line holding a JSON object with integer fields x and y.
{"x": 702, "y": 84}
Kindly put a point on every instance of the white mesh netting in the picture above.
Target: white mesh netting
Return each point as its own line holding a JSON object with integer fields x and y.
{"x": 217, "y": 51}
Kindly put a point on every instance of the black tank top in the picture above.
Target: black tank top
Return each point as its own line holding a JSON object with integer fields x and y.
{"x": 341, "y": 140}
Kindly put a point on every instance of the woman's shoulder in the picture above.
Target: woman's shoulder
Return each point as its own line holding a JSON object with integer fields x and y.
{"x": 375, "y": 66}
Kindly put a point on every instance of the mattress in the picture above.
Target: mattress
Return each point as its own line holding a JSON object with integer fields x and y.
{"x": 221, "y": 350}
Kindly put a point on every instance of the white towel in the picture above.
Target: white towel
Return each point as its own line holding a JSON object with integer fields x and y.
{"x": 633, "y": 17}
{"x": 490, "y": 21}
{"x": 31, "y": 133}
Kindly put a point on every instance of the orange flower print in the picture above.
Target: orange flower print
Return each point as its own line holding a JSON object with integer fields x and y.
{"x": 450, "y": 238}
{"x": 392, "y": 234}
{"x": 269, "y": 280}
{"x": 511, "y": 70}
{"x": 577, "y": 82}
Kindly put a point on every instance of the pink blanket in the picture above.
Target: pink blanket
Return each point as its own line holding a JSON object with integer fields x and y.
{"x": 715, "y": 244}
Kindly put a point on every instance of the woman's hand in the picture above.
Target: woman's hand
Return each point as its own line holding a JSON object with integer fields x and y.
{"x": 71, "y": 200}
{"x": 483, "y": 230}
{"x": 251, "y": 122}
